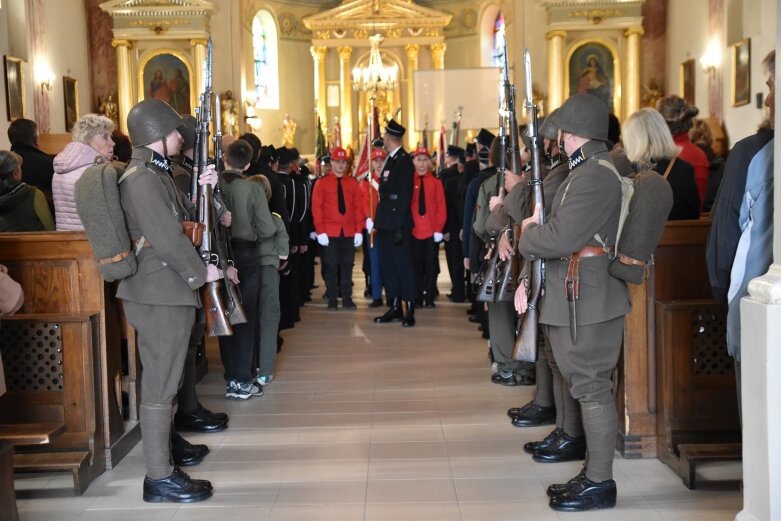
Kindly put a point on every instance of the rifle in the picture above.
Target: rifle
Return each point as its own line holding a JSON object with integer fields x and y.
{"x": 233, "y": 305}
{"x": 216, "y": 317}
{"x": 526, "y": 333}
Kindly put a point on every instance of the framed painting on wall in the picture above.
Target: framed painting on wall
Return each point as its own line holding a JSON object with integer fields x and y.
{"x": 166, "y": 75}
{"x": 71, "y": 102}
{"x": 593, "y": 68}
{"x": 741, "y": 73}
{"x": 14, "y": 87}
{"x": 687, "y": 80}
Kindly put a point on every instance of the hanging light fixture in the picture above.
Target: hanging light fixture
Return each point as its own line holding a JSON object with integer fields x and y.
{"x": 375, "y": 76}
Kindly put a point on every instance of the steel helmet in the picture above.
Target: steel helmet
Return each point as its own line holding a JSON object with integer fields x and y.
{"x": 548, "y": 128}
{"x": 151, "y": 120}
{"x": 187, "y": 130}
{"x": 583, "y": 115}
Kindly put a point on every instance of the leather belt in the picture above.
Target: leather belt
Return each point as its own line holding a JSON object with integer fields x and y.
{"x": 116, "y": 258}
{"x": 629, "y": 261}
{"x": 572, "y": 282}
{"x": 388, "y": 197}
{"x": 138, "y": 244}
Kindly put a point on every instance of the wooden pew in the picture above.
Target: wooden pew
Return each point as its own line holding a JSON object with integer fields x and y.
{"x": 63, "y": 287}
{"x": 676, "y": 384}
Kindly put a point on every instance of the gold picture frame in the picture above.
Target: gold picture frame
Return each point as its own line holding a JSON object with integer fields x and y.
{"x": 14, "y": 87}
{"x": 688, "y": 78}
{"x": 741, "y": 73}
{"x": 71, "y": 101}
{"x": 176, "y": 77}
{"x": 593, "y": 65}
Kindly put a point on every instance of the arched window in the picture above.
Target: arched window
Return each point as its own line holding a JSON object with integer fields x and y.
{"x": 265, "y": 54}
{"x": 498, "y": 39}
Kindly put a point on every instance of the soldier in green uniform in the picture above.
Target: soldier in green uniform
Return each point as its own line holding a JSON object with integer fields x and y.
{"x": 586, "y": 332}
{"x": 160, "y": 298}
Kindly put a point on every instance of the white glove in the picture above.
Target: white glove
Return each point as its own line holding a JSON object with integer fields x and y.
{"x": 437, "y": 237}
{"x": 369, "y": 225}
{"x": 313, "y": 236}
{"x": 322, "y": 239}
{"x": 358, "y": 239}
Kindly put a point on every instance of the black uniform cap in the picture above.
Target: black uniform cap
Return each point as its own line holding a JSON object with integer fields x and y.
{"x": 394, "y": 129}
{"x": 485, "y": 138}
{"x": 286, "y": 156}
{"x": 453, "y": 150}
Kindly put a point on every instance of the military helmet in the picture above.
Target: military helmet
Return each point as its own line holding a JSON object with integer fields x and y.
{"x": 187, "y": 129}
{"x": 548, "y": 128}
{"x": 583, "y": 115}
{"x": 151, "y": 120}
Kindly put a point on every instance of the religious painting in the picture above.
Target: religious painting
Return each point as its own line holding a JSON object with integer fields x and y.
{"x": 14, "y": 87}
{"x": 687, "y": 81}
{"x": 71, "y": 102}
{"x": 741, "y": 73}
{"x": 166, "y": 76}
{"x": 592, "y": 69}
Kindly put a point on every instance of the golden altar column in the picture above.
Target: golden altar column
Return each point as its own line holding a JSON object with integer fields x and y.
{"x": 345, "y": 86}
{"x": 412, "y": 51}
{"x": 633, "y": 39}
{"x": 318, "y": 56}
{"x": 556, "y": 87}
{"x": 126, "y": 79}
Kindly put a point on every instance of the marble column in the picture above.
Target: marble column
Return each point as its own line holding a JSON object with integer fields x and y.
{"x": 346, "y": 102}
{"x": 555, "y": 69}
{"x": 634, "y": 37}
{"x": 126, "y": 81}
{"x": 318, "y": 56}
{"x": 438, "y": 54}
{"x": 412, "y": 51}
{"x": 199, "y": 55}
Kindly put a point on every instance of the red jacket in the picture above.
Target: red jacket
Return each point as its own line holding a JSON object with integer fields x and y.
{"x": 694, "y": 155}
{"x": 424, "y": 226}
{"x": 370, "y": 196}
{"x": 325, "y": 207}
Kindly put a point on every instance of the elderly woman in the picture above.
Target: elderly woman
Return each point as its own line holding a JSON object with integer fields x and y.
{"x": 91, "y": 141}
{"x": 678, "y": 115}
{"x": 23, "y": 208}
{"x": 649, "y": 145}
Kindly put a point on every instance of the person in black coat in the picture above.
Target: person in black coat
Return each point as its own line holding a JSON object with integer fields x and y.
{"x": 37, "y": 166}
{"x": 452, "y": 179}
{"x": 393, "y": 223}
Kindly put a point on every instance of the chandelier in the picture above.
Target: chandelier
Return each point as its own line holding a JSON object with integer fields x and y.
{"x": 375, "y": 76}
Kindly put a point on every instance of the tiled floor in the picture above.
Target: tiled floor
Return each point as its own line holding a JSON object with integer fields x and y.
{"x": 376, "y": 422}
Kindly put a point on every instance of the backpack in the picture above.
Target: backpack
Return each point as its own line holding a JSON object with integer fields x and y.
{"x": 646, "y": 200}
{"x": 100, "y": 211}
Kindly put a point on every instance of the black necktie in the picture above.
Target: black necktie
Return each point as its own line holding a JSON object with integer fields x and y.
{"x": 422, "y": 198}
{"x": 340, "y": 196}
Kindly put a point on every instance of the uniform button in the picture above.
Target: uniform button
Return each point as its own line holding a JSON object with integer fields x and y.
{"x": 164, "y": 263}
{"x": 191, "y": 279}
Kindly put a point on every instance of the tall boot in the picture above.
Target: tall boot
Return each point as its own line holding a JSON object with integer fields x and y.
{"x": 409, "y": 316}
{"x": 155, "y": 422}
{"x": 394, "y": 313}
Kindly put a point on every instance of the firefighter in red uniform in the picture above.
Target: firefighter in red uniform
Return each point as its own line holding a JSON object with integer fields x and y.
{"x": 339, "y": 215}
{"x": 428, "y": 217}
{"x": 371, "y": 253}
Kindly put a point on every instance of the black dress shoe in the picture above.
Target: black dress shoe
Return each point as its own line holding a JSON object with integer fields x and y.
{"x": 376, "y": 303}
{"x": 347, "y": 303}
{"x": 503, "y": 378}
{"x": 332, "y": 305}
{"x": 475, "y": 320}
{"x": 559, "y": 488}
{"x": 532, "y": 415}
{"x": 176, "y": 488}
{"x": 184, "y": 453}
{"x": 533, "y": 446}
{"x": 394, "y": 313}
{"x": 524, "y": 378}
{"x": 586, "y": 495}
{"x": 564, "y": 448}
{"x": 429, "y": 304}
{"x": 409, "y": 316}
{"x": 457, "y": 300}
{"x": 200, "y": 419}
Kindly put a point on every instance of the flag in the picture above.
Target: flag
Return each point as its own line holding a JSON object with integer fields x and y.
{"x": 321, "y": 147}
{"x": 363, "y": 165}
{"x": 442, "y": 147}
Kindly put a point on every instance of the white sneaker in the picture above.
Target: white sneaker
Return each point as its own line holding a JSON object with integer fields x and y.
{"x": 263, "y": 381}
{"x": 240, "y": 391}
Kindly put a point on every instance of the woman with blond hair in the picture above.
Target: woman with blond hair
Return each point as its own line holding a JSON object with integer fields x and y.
{"x": 649, "y": 145}
{"x": 91, "y": 143}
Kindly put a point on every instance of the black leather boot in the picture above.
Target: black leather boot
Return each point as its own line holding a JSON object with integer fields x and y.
{"x": 531, "y": 415}
{"x": 563, "y": 448}
{"x": 394, "y": 313}
{"x": 176, "y": 488}
{"x": 533, "y": 446}
{"x": 409, "y": 316}
{"x": 184, "y": 453}
{"x": 200, "y": 419}
{"x": 586, "y": 495}
{"x": 560, "y": 488}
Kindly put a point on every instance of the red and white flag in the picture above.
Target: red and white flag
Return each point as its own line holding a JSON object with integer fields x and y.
{"x": 442, "y": 147}
{"x": 364, "y": 160}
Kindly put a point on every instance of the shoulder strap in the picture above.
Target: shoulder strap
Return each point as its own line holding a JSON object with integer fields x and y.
{"x": 669, "y": 167}
{"x": 130, "y": 171}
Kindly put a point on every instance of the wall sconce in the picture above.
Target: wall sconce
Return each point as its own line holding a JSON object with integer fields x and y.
{"x": 45, "y": 76}
{"x": 712, "y": 58}
{"x": 250, "y": 116}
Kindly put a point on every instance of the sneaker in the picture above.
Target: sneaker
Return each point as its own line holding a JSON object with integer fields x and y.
{"x": 239, "y": 391}
{"x": 263, "y": 381}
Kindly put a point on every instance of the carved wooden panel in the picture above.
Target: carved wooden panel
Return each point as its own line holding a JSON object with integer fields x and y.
{"x": 709, "y": 343}
{"x": 32, "y": 355}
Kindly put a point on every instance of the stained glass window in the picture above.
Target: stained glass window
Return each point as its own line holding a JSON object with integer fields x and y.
{"x": 264, "y": 47}
{"x": 499, "y": 36}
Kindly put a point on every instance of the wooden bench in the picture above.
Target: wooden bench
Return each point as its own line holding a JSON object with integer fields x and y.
{"x": 693, "y": 453}
{"x": 19, "y": 434}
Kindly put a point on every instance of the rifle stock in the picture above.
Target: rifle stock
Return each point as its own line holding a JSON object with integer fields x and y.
{"x": 487, "y": 278}
{"x": 217, "y": 323}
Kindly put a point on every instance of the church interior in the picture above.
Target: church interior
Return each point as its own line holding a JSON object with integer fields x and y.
{"x": 365, "y": 422}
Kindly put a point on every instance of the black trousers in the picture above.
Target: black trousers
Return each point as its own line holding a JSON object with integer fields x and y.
{"x": 398, "y": 271}
{"x": 425, "y": 256}
{"x": 338, "y": 258}
{"x": 236, "y": 351}
{"x": 455, "y": 266}
{"x": 288, "y": 293}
